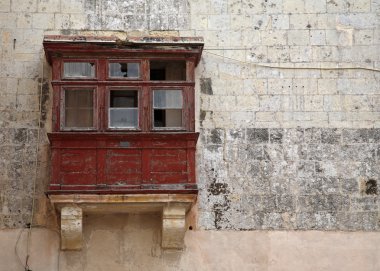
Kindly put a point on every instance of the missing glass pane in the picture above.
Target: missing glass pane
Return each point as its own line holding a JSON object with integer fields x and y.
{"x": 79, "y": 69}
{"x": 124, "y": 69}
{"x": 174, "y": 70}
{"x": 123, "y": 111}
{"x": 79, "y": 108}
{"x": 168, "y": 118}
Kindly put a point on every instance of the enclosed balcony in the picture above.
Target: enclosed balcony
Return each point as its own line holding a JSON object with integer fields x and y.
{"x": 123, "y": 136}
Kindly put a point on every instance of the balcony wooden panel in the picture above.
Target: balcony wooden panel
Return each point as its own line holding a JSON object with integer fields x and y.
{"x": 109, "y": 162}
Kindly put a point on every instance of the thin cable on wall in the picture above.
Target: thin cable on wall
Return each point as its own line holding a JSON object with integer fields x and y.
{"x": 282, "y": 67}
{"x": 30, "y": 225}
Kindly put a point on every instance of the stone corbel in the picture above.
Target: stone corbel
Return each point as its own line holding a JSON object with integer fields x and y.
{"x": 71, "y": 228}
{"x": 172, "y": 206}
{"x": 173, "y": 226}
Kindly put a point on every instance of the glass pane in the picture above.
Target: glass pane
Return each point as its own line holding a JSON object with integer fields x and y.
{"x": 78, "y": 118}
{"x": 123, "y": 117}
{"x": 79, "y": 108}
{"x": 167, "y": 99}
{"x": 79, "y": 69}
{"x": 174, "y": 70}
{"x": 123, "y": 111}
{"x": 168, "y": 118}
{"x": 124, "y": 69}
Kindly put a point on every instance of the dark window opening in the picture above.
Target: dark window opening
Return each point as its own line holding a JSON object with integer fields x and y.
{"x": 168, "y": 70}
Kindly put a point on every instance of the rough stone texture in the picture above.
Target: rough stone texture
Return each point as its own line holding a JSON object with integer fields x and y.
{"x": 132, "y": 242}
{"x": 294, "y": 178}
{"x": 279, "y": 148}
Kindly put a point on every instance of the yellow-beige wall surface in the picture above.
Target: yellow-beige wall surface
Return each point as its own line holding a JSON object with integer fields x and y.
{"x": 288, "y": 158}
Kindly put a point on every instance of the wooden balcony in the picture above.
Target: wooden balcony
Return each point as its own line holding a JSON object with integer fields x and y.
{"x": 122, "y": 163}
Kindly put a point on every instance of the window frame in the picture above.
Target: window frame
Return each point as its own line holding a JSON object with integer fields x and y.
{"x": 80, "y": 60}
{"x": 102, "y": 84}
{"x": 151, "y": 107}
{"x": 124, "y": 60}
{"x": 107, "y": 107}
{"x": 62, "y": 105}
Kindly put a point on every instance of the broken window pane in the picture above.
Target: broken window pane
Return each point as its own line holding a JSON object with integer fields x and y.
{"x": 167, "y": 108}
{"x": 79, "y": 109}
{"x": 174, "y": 70}
{"x": 79, "y": 69}
{"x": 124, "y": 69}
{"x": 123, "y": 110}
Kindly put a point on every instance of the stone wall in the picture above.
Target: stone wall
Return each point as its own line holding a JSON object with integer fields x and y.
{"x": 292, "y": 178}
{"x": 286, "y": 143}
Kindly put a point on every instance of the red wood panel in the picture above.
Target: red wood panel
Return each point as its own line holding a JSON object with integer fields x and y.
{"x": 168, "y": 160}
{"x": 167, "y": 143}
{"x": 123, "y": 166}
{"x": 191, "y": 162}
{"x": 77, "y": 160}
{"x": 92, "y": 162}
{"x": 78, "y": 178}
{"x": 167, "y": 164}
{"x": 55, "y": 162}
{"x": 168, "y": 177}
{"x": 78, "y": 166}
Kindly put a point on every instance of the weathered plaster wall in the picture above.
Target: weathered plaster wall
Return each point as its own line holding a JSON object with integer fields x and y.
{"x": 291, "y": 148}
{"x": 280, "y": 149}
{"x": 132, "y": 242}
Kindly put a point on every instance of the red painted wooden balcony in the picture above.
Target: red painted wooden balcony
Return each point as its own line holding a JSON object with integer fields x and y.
{"x": 123, "y": 163}
{"x": 123, "y": 115}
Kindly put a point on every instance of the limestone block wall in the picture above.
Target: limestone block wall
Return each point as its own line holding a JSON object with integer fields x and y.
{"x": 286, "y": 142}
{"x": 289, "y": 120}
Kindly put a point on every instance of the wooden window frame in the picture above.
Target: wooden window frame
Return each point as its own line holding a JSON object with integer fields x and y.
{"x": 80, "y": 60}
{"x": 107, "y": 107}
{"x": 122, "y": 60}
{"x": 102, "y": 84}
{"x": 151, "y": 107}
{"x": 63, "y": 107}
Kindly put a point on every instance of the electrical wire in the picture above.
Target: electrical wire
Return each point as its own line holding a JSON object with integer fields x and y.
{"x": 35, "y": 172}
{"x": 284, "y": 67}
{"x": 16, "y": 251}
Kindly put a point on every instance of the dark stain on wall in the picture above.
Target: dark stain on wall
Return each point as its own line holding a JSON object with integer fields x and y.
{"x": 371, "y": 187}
{"x": 45, "y": 94}
{"x": 206, "y": 86}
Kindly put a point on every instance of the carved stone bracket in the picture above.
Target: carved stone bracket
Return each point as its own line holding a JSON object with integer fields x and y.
{"x": 173, "y": 226}
{"x": 172, "y": 206}
{"x": 71, "y": 228}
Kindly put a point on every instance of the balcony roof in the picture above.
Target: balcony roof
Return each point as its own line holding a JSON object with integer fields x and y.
{"x": 61, "y": 45}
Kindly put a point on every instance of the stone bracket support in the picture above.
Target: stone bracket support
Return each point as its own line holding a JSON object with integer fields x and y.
{"x": 173, "y": 226}
{"x": 172, "y": 206}
{"x": 71, "y": 228}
